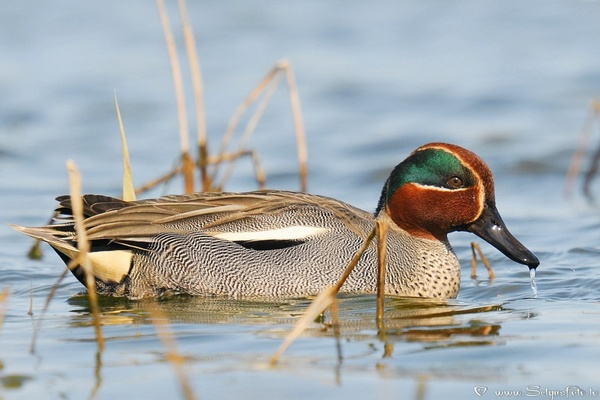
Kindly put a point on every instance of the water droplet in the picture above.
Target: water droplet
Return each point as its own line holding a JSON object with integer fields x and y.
{"x": 533, "y": 282}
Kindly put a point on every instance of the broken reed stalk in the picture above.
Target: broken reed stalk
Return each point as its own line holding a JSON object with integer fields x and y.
{"x": 186, "y": 159}
{"x": 476, "y": 248}
{"x": 323, "y": 300}
{"x": 83, "y": 247}
{"x": 251, "y": 125}
{"x": 196, "y": 76}
{"x": 382, "y": 230}
{"x": 578, "y": 154}
{"x": 164, "y": 333}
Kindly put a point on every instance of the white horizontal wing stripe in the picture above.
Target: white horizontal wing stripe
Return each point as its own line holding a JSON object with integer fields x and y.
{"x": 288, "y": 233}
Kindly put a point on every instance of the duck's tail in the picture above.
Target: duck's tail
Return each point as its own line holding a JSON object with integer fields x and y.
{"x": 109, "y": 265}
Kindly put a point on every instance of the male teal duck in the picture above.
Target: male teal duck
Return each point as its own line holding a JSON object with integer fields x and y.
{"x": 270, "y": 244}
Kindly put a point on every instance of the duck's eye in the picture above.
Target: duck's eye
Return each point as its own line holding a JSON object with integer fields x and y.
{"x": 455, "y": 182}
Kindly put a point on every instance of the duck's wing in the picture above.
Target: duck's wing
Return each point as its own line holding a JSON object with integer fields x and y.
{"x": 240, "y": 217}
{"x": 264, "y": 220}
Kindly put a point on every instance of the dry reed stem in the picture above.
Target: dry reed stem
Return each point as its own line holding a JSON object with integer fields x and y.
{"x": 258, "y": 170}
{"x": 265, "y": 85}
{"x": 355, "y": 260}
{"x": 128, "y": 188}
{"x": 162, "y": 179}
{"x": 196, "y": 76}
{"x": 187, "y": 169}
{"x": 475, "y": 247}
{"x": 179, "y": 96}
{"x": 298, "y": 124}
{"x": 382, "y": 230}
{"x": 241, "y": 109}
{"x": 164, "y": 333}
{"x": 265, "y": 88}
{"x": 323, "y": 299}
{"x": 578, "y": 154}
{"x": 84, "y": 247}
{"x": 252, "y": 123}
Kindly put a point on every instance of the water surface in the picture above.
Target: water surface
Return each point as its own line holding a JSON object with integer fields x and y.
{"x": 510, "y": 80}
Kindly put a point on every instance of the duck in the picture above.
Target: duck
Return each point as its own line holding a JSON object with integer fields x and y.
{"x": 283, "y": 244}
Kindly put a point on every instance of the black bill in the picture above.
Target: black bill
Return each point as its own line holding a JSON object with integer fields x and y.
{"x": 491, "y": 228}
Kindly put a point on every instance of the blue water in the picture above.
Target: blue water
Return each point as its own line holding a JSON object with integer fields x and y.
{"x": 512, "y": 81}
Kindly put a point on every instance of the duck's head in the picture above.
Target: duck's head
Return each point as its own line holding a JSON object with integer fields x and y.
{"x": 442, "y": 188}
